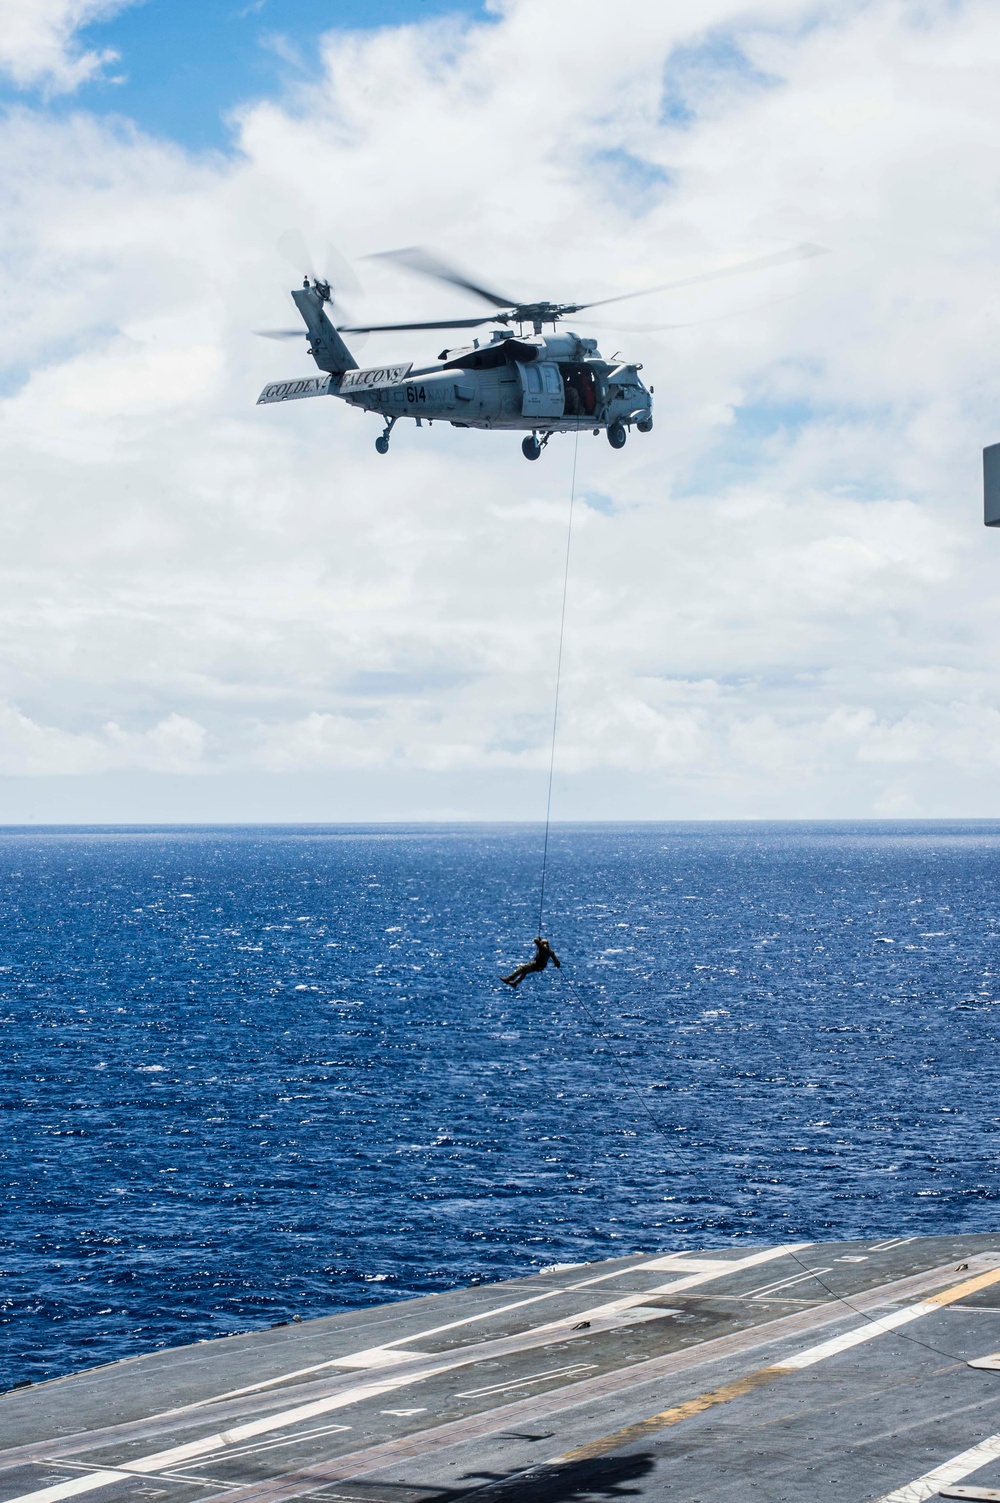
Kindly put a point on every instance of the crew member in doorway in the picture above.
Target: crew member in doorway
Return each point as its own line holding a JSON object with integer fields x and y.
{"x": 543, "y": 954}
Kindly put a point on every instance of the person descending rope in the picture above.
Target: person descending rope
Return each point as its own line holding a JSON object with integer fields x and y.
{"x": 543, "y": 954}
{"x": 543, "y": 950}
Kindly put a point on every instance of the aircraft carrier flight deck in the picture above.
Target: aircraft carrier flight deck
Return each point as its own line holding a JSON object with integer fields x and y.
{"x": 825, "y": 1371}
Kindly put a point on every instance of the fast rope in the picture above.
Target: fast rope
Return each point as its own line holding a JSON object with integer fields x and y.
{"x": 555, "y": 705}
{"x": 595, "y": 1025}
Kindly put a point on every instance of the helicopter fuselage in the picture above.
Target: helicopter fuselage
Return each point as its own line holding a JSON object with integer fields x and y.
{"x": 550, "y": 384}
{"x": 539, "y": 384}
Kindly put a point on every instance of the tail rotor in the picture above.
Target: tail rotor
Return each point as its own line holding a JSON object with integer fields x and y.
{"x": 331, "y": 275}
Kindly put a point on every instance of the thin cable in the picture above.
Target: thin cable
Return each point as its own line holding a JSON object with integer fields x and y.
{"x": 595, "y": 1025}
{"x": 555, "y": 707}
{"x": 672, "y": 1146}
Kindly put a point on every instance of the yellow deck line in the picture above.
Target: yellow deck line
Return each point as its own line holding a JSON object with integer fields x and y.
{"x": 673, "y": 1416}
{"x": 971, "y": 1286}
{"x": 763, "y": 1375}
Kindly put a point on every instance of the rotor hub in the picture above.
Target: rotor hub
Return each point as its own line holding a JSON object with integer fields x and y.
{"x": 537, "y": 314}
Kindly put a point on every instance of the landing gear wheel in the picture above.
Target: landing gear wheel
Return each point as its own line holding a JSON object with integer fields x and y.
{"x": 617, "y": 435}
{"x": 645, "y": 425}
{"x": 530, "y": 447}
{"x": 382, "y": 442}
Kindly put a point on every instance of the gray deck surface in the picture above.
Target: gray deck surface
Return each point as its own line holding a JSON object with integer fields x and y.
{"x": 831, "y": 1371}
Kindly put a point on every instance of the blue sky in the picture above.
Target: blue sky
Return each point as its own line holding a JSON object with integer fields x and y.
{"x": 782, "y": 599}
{"x": 185, "y": 64}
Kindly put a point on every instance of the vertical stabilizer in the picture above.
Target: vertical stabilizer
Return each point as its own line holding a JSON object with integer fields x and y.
{"x": 991, "y": 485}
{"x": 326, "y": 346}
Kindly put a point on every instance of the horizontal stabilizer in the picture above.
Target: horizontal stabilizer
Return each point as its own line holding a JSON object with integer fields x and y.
{"x": 991, "y": 485}
{"x": 379, "y": 375}
{"x": 290, "y": 391}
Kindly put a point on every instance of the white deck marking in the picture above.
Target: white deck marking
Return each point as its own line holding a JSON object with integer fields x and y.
{"x": 150, "y": 1464}
{"x": 892, "y": 1242}
{"x": 74, "y": 1486}
{"x": 264, "y": 1445}
{"x": 160, "y": 1460}
{"x": 378, "y": 1356}
{"x": 947, "y": 1473}
{"x": 763, "y": 1290}
{"x": 980, "y": 1494}
{"x": 621, "y": 1311}
{"x": 712, "y": 1270}
{"x": 902, "y": 1317}
{"x": 633, "y": 1302}
{"x": 859, "y": 1334}
{"x": 739, "y": 1387}
{"x": 320, "y": 1367}
{"x": 680, "y": 1262}
{"x": 552, "y": 1372}
{"x": 695, "y": 1279}
{"x": 990, "y": 1364}
{"x": 400, "y": 1341}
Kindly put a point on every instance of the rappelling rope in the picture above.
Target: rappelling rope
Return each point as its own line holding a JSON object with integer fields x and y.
{"x": 555, "y": 705}
{"x": 574, "y": 990}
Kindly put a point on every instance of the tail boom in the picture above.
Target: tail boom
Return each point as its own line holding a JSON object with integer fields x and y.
{"x": 325, "y": 345}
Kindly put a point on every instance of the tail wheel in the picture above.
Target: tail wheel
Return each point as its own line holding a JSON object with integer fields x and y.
{"x": 382, "y": 444}
{"x": 617, "y": 435}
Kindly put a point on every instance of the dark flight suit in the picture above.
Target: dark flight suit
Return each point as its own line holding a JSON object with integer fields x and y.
{"x": 543, "y": 954}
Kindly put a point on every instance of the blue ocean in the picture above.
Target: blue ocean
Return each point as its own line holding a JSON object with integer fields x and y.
{"x": 258, "y": 1073}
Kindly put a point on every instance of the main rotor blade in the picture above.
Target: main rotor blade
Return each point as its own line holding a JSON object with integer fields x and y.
{"x": 281, "y": 333}
{"x": 694, "y": 323}
{"x": 446, "y": 323}
{"x": 339, "y": 272}
{"x": 798, "y": 253}
{"x": 415, "y": 258}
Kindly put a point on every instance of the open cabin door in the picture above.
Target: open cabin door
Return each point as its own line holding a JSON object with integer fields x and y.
{"x": 541, "y": 389}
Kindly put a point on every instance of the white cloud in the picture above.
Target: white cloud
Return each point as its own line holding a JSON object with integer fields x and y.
{"x": 781, "y": 600}
{"x": 174, "y": 745}
{"x": 38, "y": 41}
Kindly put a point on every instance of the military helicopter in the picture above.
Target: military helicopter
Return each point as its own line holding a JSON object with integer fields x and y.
{"x": 542, "y": 383}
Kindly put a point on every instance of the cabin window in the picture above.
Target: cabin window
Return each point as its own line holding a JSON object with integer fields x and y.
{"x": 541, "y": 389}
{"x": 580, "y": 390}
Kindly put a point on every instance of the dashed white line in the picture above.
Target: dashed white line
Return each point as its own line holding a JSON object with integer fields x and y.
{"x": 553, "y": 1372}
{"x": 708, "y": 1269}
{"x": 858, "y": 1335}
{"x": 696, "y": 1279}
{"x": 763, "y": 1290}
{"x": 160, "y": 1460}
{"x": 947, "y": 1473}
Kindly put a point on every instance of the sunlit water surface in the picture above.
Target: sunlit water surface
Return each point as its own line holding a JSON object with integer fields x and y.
{"x": 256, "y": 1073}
